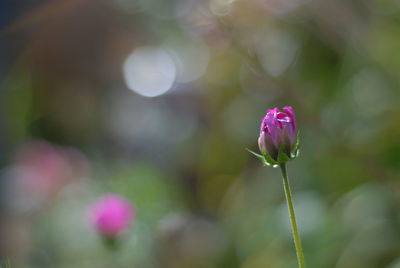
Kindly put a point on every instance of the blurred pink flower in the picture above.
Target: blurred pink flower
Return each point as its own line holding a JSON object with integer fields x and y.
{"x": 40, "y": 170}
{"x": 111, "y": 215}
{"x": 47, "y": 169}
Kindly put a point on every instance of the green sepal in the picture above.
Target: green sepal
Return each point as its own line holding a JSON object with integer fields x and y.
{"x": 270, "y": 160}
{"x": 295, "y": 151}
{"x": 265, "y": 158}
{"x": 282, "y": 156}
{"x": 259, "y": 156}
{"x": 254, "y": 153}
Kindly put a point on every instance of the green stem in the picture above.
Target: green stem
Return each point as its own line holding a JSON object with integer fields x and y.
{"x": 295, "y": 232}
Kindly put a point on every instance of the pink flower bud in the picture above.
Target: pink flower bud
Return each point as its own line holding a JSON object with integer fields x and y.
{"x": 111, "y": 215}
{"x": 278, "y": 135}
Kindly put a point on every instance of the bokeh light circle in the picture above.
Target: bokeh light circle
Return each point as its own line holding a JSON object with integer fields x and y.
{"x": 149, "y": 71}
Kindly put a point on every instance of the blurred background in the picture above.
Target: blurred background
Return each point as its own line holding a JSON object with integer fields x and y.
{"x": 156, "y": 100}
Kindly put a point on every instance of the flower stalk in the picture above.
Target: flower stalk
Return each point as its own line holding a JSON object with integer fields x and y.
{"x": 292, "y": 215}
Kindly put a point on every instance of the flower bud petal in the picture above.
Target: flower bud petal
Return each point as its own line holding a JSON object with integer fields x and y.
{"x": 278, "y": 134}
{"x": 293, "y": 130}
